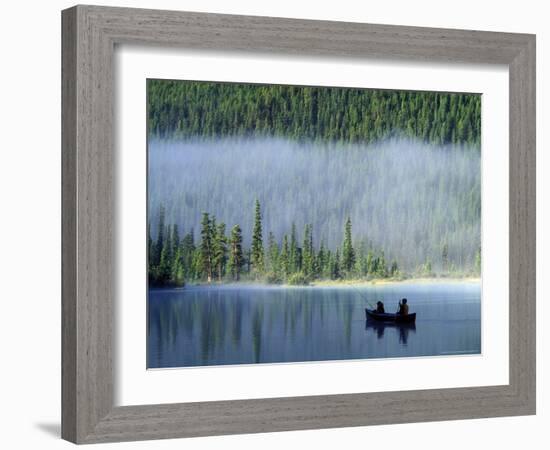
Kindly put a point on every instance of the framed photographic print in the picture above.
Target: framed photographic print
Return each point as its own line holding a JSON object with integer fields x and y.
{"x": 256, "y": 209}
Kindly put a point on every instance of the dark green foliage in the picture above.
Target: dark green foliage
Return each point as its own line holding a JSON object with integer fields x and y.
{"x": 308, "y": 255}
{"x": 445, "y": 257}
{"x": 348, "y": 254}
{"x": 257, "y": 241}
{"x": 477, "y": 262}
{"x": 236, "y": 257}
{"x": 208, "y": 109}
{"x": 165, "y": 261}
{"x": 273, "y": 253}
{"x": 206, "y": 247}
{"x": 294, "y": 252}
{"x": 219, "y": 250}
{"x": 223, "y": 258}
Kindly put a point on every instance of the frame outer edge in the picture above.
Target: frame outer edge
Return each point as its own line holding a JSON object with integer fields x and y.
{"x": 89, "y": 415}
{"x": 523, "y": 225}
{"x": 68, "y": 224}
{"x": 88, "y": 210}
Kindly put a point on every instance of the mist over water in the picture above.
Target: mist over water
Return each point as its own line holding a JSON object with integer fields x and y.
{"x": 405, "y": 197}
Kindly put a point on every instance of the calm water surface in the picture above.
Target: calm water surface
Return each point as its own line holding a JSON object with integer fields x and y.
{"x": 214, "y": 325}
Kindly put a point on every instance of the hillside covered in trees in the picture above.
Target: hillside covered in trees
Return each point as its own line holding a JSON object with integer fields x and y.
{"x": 186, "y": 109}
{"x": 290, "y": 184}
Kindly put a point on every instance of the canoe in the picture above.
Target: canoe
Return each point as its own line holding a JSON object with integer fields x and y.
{"x": 390, "y": 317}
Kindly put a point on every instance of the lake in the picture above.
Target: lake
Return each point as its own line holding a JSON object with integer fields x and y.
{"x": 238, "y": 324}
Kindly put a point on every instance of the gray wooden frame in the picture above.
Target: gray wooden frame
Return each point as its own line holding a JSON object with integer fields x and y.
{"x": 89, "y": 36}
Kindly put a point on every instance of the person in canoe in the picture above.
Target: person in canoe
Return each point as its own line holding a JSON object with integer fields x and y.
{"x": 380, "y": 307}
{"x": 403, "y": 307}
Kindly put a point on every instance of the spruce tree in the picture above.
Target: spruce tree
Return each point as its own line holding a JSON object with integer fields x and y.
{"x": 206, "y": 251}
{"x": 285, "y": 258}
{"x": 273, "y": 249}
{"x": 307, "y": 252}
{"x": 187, "y": 253}
{"x": 257, "y": 250}
{"x": 348, "y": 254}
{"x": 294, "y": 255}
{"x": 445, "y": 257}
{"x": 236, "y": 257}
{"x": 160, "y": 237}
{"x": 477, "y": 262}
{"x": 336, "y": 272}
{"x": 219, "y": 250}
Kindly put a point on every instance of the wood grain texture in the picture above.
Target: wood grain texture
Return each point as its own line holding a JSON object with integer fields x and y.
{"x": 89, "y": 36}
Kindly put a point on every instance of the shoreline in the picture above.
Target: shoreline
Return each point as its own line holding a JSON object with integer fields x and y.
{"x": 389, "y": 282}
{"x": 332, "y": 283}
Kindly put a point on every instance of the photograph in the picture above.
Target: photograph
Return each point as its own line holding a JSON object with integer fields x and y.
{"x": 301, "y": 223}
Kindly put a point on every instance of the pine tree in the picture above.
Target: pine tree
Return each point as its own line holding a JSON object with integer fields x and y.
{"x": 257, "y": 254}
{"x": 307, "y": 252}
{"x": 188, "y": 251}
{"x": 477, "y": 262}
{"x": 335, "y": 269}
{"x": 177, "y": 276}
{"x": 236, "y": 257}
{"x": 160, "y": 237}
{"x": 445, "y": 257}
{"x": 206, "y": 250}
{"x": 285, "y": 258}
{"x": 394, "y": 269}
{"x": 371, "y": 268}
{"x": 219, "y": 250}
{"x": 348, "y": 254}
{"x": 428, "y": 268}
{"x": 382, "y": 268}
{"x": 273, "y": 249}
{"x": 321, "y": 261}
{"x": 294, "y": 255}
{"x": 164, "y": 267}
{"x": 149, "y": 252}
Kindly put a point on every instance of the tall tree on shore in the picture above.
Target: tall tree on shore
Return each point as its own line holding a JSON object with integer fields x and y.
{"x": 322, "y": 261}
{"x": 219, "y": 250}
{"x": 477, "y": 262}
{"x": 348, "y": 254}
{"x": 307, "y": 251}
{"x": 149, "y": 244}
{"x": 160, "y": 237}
{"x": 445, "y": 257}
{"x": 236, "y": 257}
{"x": 187, "y": 254}
{"x": 294, "y": 255}
{"x": 285, "y": 258}
{"x": 257, "y": 241}
{"x": 164, "y": 268}
{"x": 273, "y": 252}
{"x": 177, "y": 275}
{"x": 206, "y": 250}
{"x": 335, "y": 272}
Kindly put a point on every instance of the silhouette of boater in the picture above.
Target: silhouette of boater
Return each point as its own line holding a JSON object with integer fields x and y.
{"x": 403, "y": 307}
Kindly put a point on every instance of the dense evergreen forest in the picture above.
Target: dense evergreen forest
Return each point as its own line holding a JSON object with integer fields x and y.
{"x": 220, "y": 256}
{"x": 190, "y": 109}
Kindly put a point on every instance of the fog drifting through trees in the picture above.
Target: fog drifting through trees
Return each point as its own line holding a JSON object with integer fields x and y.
{"x": 404, "y": 197}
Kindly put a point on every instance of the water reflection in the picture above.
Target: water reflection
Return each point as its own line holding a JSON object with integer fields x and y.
{"x": 244, "y": 325}
{"x": 403, "y": 329}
